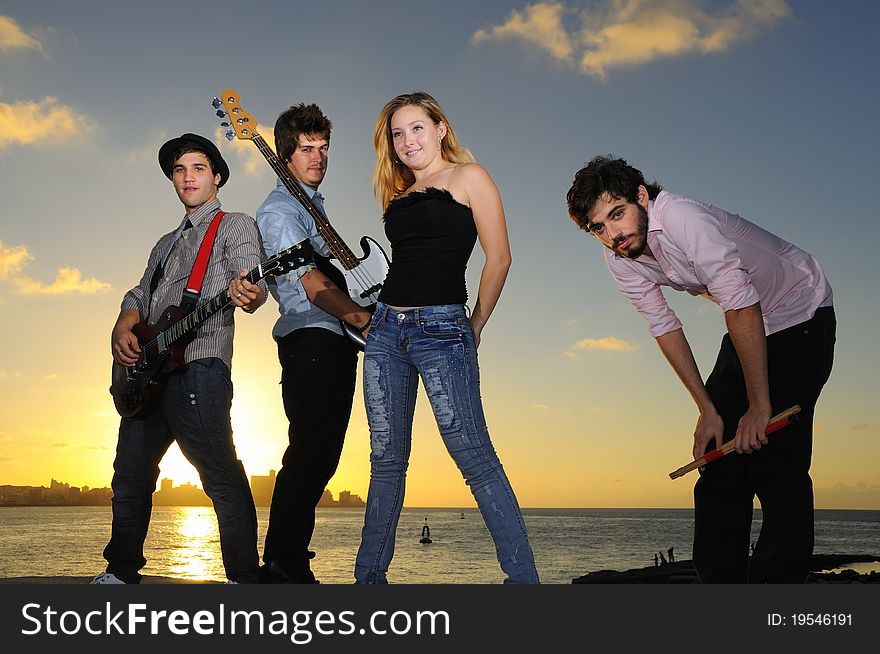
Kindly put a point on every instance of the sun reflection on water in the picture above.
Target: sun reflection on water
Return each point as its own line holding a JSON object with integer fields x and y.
{"x": 195, "y": 545}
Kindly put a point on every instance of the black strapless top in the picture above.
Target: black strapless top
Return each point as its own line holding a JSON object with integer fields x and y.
{"x": 432, "y": 237}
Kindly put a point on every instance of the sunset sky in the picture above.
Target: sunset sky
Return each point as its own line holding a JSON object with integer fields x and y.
{"x": 761, "y": 107}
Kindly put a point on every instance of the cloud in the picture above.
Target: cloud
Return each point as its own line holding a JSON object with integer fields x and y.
{"x": 628, "y": 33}
{"x": 4, "y": 436}
{"x": 51, "y": 377}
{"x": 58, "y": 445}
{"x": 252, "y": 160}
{"x": 539, "y": 24}
{"x": 44, "y": 122}
{"x": 606, "y": 344}
{"x": 67, "y": 280}
{"x": 12, "y": 37}
{"x": 860, "y": 426}
{"x": 12, "y": 260}
{"x": 541, "y": 407}
{"x": 5, "y": 458}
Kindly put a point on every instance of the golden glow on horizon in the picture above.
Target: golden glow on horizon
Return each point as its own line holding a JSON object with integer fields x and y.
{"x": 559, "y": 454}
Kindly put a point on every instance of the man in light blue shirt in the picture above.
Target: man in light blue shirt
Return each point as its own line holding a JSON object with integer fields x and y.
{"x": 318, "y": 362}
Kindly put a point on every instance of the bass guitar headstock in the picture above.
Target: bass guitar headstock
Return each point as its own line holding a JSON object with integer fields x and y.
{"x": 237, "y": 121}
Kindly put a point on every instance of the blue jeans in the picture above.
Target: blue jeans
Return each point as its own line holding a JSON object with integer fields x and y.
{"x": 194, "y": 410}
{"x": 436, "y": 343}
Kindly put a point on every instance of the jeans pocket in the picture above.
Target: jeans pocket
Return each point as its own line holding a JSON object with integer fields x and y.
{"x": 442, "y": 327}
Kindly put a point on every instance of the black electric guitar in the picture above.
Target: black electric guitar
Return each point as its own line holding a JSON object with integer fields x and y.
{"x": 137, "y": 389}
{"x": 361, "y": 277}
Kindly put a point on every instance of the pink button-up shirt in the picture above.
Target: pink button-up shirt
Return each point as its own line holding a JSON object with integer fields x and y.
{"x": 707, "y": 251}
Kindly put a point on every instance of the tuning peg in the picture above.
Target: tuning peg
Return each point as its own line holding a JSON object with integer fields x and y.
{"x": 221, "y": 113}
{"x": 216, "y": 103}
{"x": 230, "y": 134}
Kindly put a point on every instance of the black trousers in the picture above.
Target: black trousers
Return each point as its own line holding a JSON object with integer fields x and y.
{"x": 317, "y": 386}
{"x": 799, "y": 363}
{"x": 194, "y": 411}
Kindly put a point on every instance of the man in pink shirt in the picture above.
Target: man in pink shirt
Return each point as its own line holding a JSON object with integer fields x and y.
{"x": 778, "y": 352}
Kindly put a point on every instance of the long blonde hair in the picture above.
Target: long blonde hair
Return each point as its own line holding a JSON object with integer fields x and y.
{"x": 392, "y": 177}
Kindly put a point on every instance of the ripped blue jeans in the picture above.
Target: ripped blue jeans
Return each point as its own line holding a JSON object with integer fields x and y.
{"x": 435, "y": 343}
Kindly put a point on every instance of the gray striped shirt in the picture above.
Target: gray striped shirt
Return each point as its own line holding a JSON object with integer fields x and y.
{"x": 238, "y": 245}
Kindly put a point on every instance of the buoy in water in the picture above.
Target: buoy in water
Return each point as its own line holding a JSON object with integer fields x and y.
{"x": 462, "y": 515}
{"x": 426, "y": 534}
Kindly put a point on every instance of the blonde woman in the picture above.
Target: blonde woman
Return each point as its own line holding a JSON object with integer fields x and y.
{"x": 437, "y": 203}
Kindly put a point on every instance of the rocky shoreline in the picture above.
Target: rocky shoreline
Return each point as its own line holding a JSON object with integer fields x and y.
{"x": 823, "y": 570}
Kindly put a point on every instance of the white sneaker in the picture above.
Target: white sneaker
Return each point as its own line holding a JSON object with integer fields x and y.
{"x": 107, "y": 578}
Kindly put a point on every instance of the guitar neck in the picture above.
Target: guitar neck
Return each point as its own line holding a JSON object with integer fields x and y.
{"x": 335, "y": 244}
{"x": 205, "y": 310}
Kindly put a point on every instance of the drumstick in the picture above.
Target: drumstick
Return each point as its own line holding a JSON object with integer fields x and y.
{"x": 776, "y": 422}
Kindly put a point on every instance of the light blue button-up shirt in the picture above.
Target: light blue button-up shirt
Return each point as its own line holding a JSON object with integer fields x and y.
{"x": 283, "y": 222}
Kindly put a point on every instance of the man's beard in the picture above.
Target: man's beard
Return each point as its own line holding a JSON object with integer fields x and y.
{"x": 639, "y": 239}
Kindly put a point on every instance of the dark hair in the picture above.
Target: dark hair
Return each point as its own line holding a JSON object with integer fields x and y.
{"x": 299, "y": 119}
{"x": 186, "y": 148}
{"x": 605, "y": 175}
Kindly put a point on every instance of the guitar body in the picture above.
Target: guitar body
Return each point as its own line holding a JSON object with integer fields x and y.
{"x": 373, "y": 265}
{"x": 137, "y": 389}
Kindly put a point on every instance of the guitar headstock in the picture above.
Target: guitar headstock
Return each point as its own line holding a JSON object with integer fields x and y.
{"x": 237, "y": 121}
{"x": 289, "y": 259}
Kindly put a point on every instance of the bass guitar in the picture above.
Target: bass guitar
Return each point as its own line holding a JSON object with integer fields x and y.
{"x": 137, "y": 389}
{"x": 360, "y": 277}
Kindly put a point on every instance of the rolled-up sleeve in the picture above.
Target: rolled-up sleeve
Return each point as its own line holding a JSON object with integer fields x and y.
{"x": 644, "y": 294}
{"x": 715, "y": 258}
{"x": 244, "y": 249}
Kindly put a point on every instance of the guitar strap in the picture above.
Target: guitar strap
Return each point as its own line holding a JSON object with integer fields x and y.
{"x": 194, "y": 285}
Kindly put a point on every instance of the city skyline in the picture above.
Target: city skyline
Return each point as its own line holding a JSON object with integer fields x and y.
{"x": 166, "y": 494}
{"x": 762, "y": 108}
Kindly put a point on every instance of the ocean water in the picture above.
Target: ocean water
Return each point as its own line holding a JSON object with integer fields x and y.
{"x": 183, "y": 542}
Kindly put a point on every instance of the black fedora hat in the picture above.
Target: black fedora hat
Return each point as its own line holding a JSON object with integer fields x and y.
{"x": 166, "y": 152}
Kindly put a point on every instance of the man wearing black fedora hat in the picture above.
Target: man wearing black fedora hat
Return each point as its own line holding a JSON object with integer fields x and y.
{"x": 194, "y": 407}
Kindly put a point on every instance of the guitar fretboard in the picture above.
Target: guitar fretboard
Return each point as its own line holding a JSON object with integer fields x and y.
{"x": 204, "y": 311}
